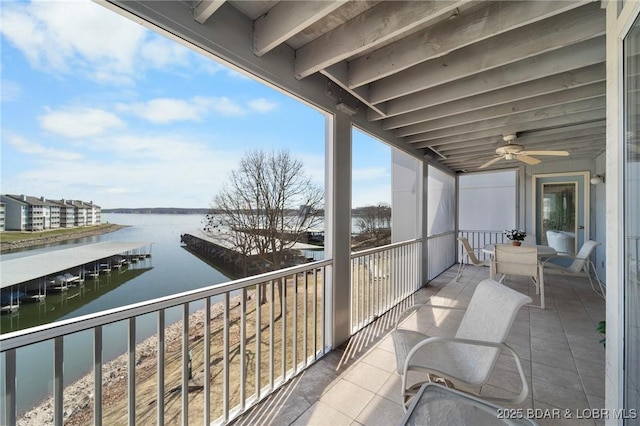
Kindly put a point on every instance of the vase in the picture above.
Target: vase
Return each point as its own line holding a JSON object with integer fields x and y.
{"x": 516, "y": 243}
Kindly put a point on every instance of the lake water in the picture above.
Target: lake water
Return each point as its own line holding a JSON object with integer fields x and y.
{"x": 171, "y": 269}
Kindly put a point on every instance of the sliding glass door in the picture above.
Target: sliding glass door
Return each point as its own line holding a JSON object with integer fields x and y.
{"x": 632, "y": 218}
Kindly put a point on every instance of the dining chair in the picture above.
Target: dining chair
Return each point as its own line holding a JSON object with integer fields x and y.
{"x": 581, "y": 265}
{"x": 519, "y": 261}
{"x": 470, "y": 256}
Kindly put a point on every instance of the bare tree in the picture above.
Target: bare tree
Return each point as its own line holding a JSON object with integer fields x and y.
{"x": 375, "y": 221}
{"x": 265, "y": 207}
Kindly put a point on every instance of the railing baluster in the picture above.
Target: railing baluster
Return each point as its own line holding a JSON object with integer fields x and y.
{"x": 305, "y": 334}
{"x": 315, "y": 312}
{"x": 97, "y": 376}
{"x": 258, "y": 336}
{"x": 243, "y": 347}
{"x": 295, "y": 323}
{"x": 10, "y": 399}
{"x": 271, "y": 336}
{"x": 283, "y": 318}
{"x": 225, "y": 359}
{"x": 131, "y": 367}
{"x": 160, "y": 369}
{"x": 207, "y": 362}
{"x": 58, "y": 387}
{"x": 186, "y": 364}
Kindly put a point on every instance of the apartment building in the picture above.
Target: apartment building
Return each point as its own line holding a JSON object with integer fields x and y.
{"x": 2, "y": 215}
{"x": 27, "y": 213}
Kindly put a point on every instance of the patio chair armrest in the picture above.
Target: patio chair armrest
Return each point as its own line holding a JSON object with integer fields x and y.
{"x": 524, "y": 392}
{"x": 404, "y": 314}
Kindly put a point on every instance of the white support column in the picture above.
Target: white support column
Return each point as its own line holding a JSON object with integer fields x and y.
{"x": 338, "y": 228}
{"x": 423, "y": 217}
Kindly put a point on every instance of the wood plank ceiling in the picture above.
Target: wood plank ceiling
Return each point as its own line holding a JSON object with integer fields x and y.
{"x": 450, "y": 78}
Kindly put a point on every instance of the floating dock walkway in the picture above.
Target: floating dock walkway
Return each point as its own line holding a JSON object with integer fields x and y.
{"x": 14, "y": 272}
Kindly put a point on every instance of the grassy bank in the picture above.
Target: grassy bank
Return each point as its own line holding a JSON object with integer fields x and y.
{"x": 11, "y": 236}
{"x": 10, "y": 240}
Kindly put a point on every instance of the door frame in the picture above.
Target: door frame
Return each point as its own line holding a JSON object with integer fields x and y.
{"x": 586, "y": 201}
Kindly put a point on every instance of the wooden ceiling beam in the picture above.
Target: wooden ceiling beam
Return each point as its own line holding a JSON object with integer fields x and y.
{"x": 514, "y": 120}
{"x": 507, "y": 109}
{"x": 377, "y": 25}
{"x": 205, "y": 8}
{"x": 566, "y": 29}
{"x": 480, "y": 23}
{"x": 583, "y": 58}
{"x": 541, "y": 124}
{"x": 286, "y": 19}
{"x": 505, "y": 96}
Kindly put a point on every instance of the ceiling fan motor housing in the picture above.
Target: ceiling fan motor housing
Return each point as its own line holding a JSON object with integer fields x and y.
{"x": 510, "y": 149}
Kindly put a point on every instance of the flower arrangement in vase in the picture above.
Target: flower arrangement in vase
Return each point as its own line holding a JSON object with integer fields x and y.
{"x": 516, "y": 236}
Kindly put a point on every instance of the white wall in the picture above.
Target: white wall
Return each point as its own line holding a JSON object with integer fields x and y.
{"x": 441, "y": 209}
{"x": 406, "y": 203}
{"x": 487, "y": 201}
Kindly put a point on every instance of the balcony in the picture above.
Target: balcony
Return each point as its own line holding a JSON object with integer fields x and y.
{"x": 357, "y": 384}
{"x": 284, "y": 371}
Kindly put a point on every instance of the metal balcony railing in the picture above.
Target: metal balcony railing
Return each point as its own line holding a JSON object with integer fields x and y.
{"x": 479, "y": 239}
{"x": 251, "y": 336}
{"x": 381, "y": 277}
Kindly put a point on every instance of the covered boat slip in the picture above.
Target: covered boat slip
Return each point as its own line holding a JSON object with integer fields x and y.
{"x": 17, "y": 271}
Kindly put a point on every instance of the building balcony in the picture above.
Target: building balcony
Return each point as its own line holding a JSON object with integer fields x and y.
{"x": 284, "y": 371}
{"x": 358, "y": 384}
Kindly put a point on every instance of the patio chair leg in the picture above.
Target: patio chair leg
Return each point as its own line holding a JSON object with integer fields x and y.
{"x": 591, "y": 266}
{"x": 460, "y": 269}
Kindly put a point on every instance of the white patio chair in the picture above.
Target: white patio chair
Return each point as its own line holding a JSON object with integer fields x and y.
{"x": 468, "y": 359}
{"x": 581, "y": 265}
{"x": 470, "y": 254}
{"x": 519, "y": 261}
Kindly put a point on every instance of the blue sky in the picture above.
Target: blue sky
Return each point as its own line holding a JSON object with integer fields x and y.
{"x": 98, "y": 108}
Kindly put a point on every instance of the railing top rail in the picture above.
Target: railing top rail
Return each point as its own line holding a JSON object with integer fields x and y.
{"x": 441, "y": 234}
{"x": 45, "y": 332}
{"x": 500, "y": 231}
{"x": 373, "y": 250}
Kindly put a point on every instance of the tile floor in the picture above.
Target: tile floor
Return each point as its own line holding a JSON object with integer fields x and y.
{"x": 357, "y": 383}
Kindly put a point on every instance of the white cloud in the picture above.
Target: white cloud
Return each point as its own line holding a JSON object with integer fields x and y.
{"x": 227, "y": 107}
{"x": 80, "y": 122}
{"x": 262, "y": 105}
{"x": 83, "y": 38}
{"x": 73, "y": 36}
{"x": 165, "y": 171}
{"x": 11, "y": 91}
{"x": 170, "y": 110}
{"x": 166, "y": 110}
{"x": 26, "y": 147}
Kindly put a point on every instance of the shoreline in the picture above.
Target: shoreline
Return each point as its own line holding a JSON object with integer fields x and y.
{"x": 8, "y": 247}
{"x": 79, "y": 394}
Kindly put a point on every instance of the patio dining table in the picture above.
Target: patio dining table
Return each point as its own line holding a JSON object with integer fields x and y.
{"x": 543, "y": 251}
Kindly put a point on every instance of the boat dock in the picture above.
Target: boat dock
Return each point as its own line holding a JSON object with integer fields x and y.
{"x": 52, "y": 270}
{"x": 220, "y": 249}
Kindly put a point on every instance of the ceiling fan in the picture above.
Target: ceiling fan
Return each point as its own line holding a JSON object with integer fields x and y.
{"x": 512, "y": 151}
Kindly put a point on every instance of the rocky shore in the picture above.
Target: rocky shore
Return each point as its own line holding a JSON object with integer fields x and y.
{"x": 48, "y": 239}
{"x": 78, "y": 397}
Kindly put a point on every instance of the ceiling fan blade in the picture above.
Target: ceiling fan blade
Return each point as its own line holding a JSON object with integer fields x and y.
{"x": 490, "y": 162}
{"x": 556, "y": 153}
{"x": 529, "y": 160}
